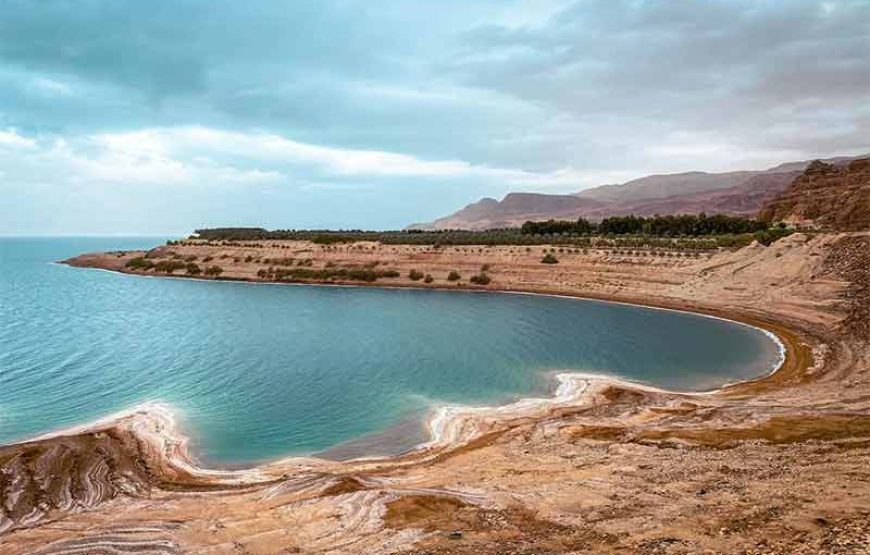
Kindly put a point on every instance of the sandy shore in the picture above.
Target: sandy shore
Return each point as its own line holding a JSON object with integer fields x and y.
{"x": 775, "y": 465}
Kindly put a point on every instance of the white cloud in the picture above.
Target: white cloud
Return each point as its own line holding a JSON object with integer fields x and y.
{"x": 52, "y": 87}
{"x": 204, "y": 156}
{"x": 11, "y": 139}
{"x": 161, "y": 149}
{"x": 115, "y": 159}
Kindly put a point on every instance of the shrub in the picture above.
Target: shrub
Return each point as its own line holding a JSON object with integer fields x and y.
{"x": 140, "y": 263}
{"x": 428, "y": 278}
{"x": 193, "y": 269}
{"x": 326, "y": 274}
{"x": 480, "y": 279}
{"x": 208, "y": 259}
{"x": 484, "y": 268}
{"x": 169, "y": 266}
{"x": 549, "y": 259}
{"x": 415, "y": 275}
{"x": 214, "y": 271}
{"x": 453, "y": 276}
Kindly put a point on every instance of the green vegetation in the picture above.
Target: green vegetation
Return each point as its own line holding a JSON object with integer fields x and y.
{"x": 480, "y": 279}
{"x": 193, "y": 269}
{"x": 169, "y": 266}
{"x": 140, "y": 263}
{"x": 415, "y": 275}
{"x": 326, "y": 274}
{"x": 684, "y": 225}
{"x": 767, "y": 237}
{"x": 214, "y": 271}
{"x": 428, "y": 278}
{"x": 681, "y": 232}
{"x": 560, "y": 227}
{"x": 549, "y": 259}
{"x": 453, "y": 276}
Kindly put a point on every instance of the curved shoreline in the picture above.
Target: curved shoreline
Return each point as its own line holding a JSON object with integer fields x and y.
{"x": 451, "y": 426}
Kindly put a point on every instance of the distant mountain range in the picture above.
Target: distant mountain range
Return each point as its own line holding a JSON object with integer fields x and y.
{"x": 733, "y": 193}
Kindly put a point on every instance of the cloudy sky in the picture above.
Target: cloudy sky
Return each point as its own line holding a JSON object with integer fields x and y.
{"x": 161, "y": 116}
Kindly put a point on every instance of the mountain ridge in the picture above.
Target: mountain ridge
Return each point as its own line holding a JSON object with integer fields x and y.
{"x": 737, "y": 193}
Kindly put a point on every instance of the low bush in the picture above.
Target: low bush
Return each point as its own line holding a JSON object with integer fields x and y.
{"x": 415, "y": 275}
{"x": 214, "y": 271}
{"x": 169, "y": 266}
{"x": 140, "y": 263}
{"x": 453, "y": 276}
{"x": 549, "y": 259}
{"x": 480, "y": 279}
{"x": 326, "y": 274}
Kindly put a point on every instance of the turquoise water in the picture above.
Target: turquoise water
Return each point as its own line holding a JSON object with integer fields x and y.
{"x": 262, "y": 371}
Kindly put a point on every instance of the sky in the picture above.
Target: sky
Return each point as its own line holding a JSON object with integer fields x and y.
{"x": 163, "y": 116}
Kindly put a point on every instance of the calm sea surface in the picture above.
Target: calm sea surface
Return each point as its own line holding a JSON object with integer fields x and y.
{"x": 262, "y": 371}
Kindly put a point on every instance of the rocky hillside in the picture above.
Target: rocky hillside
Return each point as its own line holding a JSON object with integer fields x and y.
{"x": 734, "y": 193}
{"x": 826, "y": 196}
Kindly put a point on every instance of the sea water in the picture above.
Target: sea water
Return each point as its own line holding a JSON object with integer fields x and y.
{"x": 258, "y": 372}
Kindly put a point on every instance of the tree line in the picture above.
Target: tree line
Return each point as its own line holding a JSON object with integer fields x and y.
{"x": 683, "y": 225}
{"x": 723, "y": 230}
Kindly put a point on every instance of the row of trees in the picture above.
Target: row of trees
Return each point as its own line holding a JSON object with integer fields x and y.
{"x": 707, "y": 230}
{"x": 684, "y": 225}
{"x": 143, "y": 264}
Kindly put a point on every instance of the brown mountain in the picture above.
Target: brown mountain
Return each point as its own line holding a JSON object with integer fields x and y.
{"x": 826, "y": 196}
{"x": 734, "y": 193}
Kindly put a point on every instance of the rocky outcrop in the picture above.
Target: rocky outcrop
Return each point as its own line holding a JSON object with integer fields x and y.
{"x": 825, "y": 196}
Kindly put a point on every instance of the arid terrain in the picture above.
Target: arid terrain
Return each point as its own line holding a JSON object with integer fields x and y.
{"x": 736, "y": 193}
{"x": 779, "y": 465}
